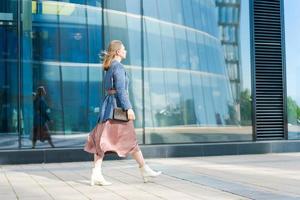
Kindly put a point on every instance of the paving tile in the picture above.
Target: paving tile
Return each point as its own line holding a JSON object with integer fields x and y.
{"x": 168, "y": 186}
{"x": 8, "y": 197}
{"x": 36, "y": 198}
{"x": 268, "y": 176}
{"x": 4, "y": 189}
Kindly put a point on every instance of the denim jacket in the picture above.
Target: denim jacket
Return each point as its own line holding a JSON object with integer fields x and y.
{"x": 115, "y": 77}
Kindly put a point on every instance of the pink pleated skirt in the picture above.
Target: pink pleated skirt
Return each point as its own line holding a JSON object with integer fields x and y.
{"x": 116, "y": 136}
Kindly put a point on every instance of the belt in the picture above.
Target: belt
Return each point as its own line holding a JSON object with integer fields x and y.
{"x": 111, "y": 91}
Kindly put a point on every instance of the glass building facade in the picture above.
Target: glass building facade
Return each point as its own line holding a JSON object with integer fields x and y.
{"x": 292, "y": 31}
{"x": 188, "y": 62}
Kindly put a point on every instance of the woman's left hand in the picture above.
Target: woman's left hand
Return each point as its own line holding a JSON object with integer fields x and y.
{"x": 131, "y": 115}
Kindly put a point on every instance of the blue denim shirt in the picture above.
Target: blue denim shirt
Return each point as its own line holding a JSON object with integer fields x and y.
{"x": 115, "y": 77}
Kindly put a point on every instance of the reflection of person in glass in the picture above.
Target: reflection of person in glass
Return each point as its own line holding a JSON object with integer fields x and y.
{"x": 41, "y": 118}
{"x": 109, "y": 134}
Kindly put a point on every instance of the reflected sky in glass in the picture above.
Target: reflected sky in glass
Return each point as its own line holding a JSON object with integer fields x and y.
{"x": 292, "y": 39}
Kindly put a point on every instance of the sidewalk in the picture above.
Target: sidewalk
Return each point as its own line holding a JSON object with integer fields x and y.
{"x": 267, "y": 176}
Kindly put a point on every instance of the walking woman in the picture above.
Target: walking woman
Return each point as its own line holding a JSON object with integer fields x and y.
{"x": 110, "y": 134}
{"x": 41, "y": 118}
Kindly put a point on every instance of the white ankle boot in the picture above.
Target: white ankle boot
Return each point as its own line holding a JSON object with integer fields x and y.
{"x": 97, "y": 178}
{"x": 147, "y": 172}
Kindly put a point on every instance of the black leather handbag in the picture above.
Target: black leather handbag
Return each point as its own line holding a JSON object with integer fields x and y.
{"x": 120, "y": 114}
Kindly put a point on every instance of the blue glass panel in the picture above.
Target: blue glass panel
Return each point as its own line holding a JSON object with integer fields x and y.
{"x": 132, "y": 6}
{"x": 198, "y": 56}
{"x": 66, "y": 42}
{"x": 195, "y": 67}
{"x": 292, "y": 41}
{"x": 182, "y": 53}
{"x": 150, "y": 8}
{"x": 187, "y": 13}
{"x": 152, "y": 44}
{"x": 9, "y": 83}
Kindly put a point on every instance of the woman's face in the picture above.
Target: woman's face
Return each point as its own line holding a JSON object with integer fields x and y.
{"x": 122, "y": 52}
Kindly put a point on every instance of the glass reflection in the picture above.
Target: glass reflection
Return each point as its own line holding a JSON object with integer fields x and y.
{"x": 196, "y": 58}
{"x": 41, "y": 118}
{"x": 292, "y": 40}
{"x": 63, "y": 50}
{"x": 9, "y": 113}
{"x": 188, "y": 62}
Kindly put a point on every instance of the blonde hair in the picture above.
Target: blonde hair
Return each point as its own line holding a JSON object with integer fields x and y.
{"x": 111, "y": 52}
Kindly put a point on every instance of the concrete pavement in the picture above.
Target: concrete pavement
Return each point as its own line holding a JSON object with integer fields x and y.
{"x": 264, "y": 176}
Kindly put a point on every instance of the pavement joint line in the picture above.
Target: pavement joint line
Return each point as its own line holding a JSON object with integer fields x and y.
{"x": 218, "y": 189}
{"x": 178, "y": 178}
{"x": 135, "y": 185}
{"x": 113, "y": 177}
{"x": 268, "y": 189}
{"x": 11, "y": 185}
{"x": 227, "y": 177}
{"x": 217, "y": 166}
{"x": 164, "y": 186}
{"x": 241, "y": 168}
{"x": 249, "y": 191}
{"x": 65, "y": 182}
{"x": 41, "y": 186}
{"x": 59, "y": 169}
{"x": 103, "y": 187}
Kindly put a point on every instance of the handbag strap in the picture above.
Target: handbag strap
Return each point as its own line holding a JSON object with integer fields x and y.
{"x": 115, "y": 99}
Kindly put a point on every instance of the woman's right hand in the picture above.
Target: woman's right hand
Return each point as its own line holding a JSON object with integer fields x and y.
{"x": 131, "y": 115}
